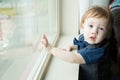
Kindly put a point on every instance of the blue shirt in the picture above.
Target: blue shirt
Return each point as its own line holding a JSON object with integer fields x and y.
{"x": 98, "y": 58}
{"x": 115, "y": 3}
{"x": 90, "y": 53}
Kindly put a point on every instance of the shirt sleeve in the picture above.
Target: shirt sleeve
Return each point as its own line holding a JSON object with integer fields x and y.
{"x": 92, "y": 55}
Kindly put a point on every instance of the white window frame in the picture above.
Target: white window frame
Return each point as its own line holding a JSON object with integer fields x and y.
{"x": 42, "y": 64}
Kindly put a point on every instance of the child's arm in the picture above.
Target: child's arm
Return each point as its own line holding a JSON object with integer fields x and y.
{"x": 69, "y": 47}
{"x": 66, "y": 55}
{"x": 62, "y": 54}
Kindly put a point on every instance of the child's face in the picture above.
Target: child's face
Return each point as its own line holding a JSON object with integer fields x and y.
{"x": 94, "y": 30}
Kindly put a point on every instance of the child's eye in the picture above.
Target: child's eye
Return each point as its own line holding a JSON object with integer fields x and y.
{"x": 90, "y": 26}
{"x": 101, "y": 28}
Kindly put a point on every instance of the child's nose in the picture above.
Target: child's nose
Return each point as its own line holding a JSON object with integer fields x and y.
{"x": 94, "y": 31}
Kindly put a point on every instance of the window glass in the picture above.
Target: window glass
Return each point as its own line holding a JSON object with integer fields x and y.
{"x": 22, "y": 22}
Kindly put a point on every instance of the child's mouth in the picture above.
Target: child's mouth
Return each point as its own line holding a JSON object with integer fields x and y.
{"x": 93, "y": 38}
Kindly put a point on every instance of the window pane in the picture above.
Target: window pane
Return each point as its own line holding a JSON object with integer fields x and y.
{"x": 21, "y": 24}
{"x": 47, "y": 17}
{"x": 25, "y": 20}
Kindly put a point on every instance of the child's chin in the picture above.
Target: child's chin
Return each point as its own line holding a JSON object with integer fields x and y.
{"x": 91, "y": 42}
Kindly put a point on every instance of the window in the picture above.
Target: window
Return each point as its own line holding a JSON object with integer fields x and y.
{"x": 21, "y": 25}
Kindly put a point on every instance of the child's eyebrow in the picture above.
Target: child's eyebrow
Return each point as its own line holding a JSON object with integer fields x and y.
{"x": 90, "y": 22}
{"x": 103, "y": 25}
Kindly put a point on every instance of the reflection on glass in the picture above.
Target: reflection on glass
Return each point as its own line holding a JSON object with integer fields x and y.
{"x": 5, "y": 31}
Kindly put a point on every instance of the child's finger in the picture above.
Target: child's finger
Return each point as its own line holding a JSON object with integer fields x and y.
{"x": 44, "y": 37}
{"x": 44, "y": 42}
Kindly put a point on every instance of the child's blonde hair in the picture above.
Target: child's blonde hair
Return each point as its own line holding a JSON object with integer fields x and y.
{"x": 99, "y": 12}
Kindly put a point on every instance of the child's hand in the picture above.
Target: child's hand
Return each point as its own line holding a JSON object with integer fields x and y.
{"x": 43, "y": 44}
{"x": 44, "y": 41}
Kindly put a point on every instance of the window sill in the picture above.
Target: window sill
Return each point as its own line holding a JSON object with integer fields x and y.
{"x": 60, "y": 70}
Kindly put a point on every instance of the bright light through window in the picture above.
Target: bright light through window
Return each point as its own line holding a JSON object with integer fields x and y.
{"x": 22, "y": 22}
{"x": 29, "y": 19}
